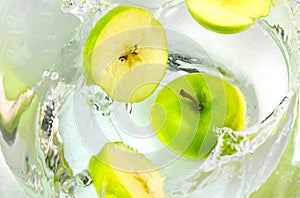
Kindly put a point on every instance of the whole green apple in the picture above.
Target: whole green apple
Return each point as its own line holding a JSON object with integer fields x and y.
{"x": 187, "y": 110}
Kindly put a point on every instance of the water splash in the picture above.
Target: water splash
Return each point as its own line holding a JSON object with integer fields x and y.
{"x": 240, "y": 164}
{"x": 98, "y": 100}
{"x": 83, "y": 9}
{"x": 72, "y": 185}
{"x": 219, "y": 169}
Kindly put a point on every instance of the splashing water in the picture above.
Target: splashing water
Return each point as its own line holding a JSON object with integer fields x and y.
{"x": 67, "y": 122}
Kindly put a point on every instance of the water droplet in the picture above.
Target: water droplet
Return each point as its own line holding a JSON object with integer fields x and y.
{"x": 54, "y": 76}
{"x": 50, "y": 97}
{"x": 45, "y": 74}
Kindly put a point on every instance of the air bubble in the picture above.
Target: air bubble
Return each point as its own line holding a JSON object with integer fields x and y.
{"x": 54, "y": 76}
{"x": 45, "y": 74}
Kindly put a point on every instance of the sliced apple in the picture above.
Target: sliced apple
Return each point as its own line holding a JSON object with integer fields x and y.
{"x": 228, "y": 16}
{"x": 11, "y": 110}
{"x": 126, "y": 54}
{"x": 119, "y": 171}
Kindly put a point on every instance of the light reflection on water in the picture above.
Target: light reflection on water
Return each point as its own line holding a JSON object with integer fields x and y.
{"x": 84, "y": 111}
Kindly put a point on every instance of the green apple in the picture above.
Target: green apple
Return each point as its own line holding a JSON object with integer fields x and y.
{"x": 15, "y": 97}
{"x": 119, "y": 171}
{"x": 13, "y": 86}
{"x": 126, "y": 54}
{"x": 228, "y": 16}
{"x": 185, "y": 113}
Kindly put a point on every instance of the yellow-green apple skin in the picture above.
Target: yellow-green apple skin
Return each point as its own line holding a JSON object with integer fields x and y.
{"x": 228, "y": 16}
{"x": 15, "y": 97}
{"x": 13, "y": 86}
{"x": 119, "y": 171}
{"x": 126, "y": 54}
{"x": 188, "y": 128}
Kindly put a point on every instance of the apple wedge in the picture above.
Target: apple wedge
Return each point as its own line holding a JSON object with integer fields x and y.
{"x": 228, "y": 16}
{"x": 15, "y": 97}
{"x": 119, "y": 171}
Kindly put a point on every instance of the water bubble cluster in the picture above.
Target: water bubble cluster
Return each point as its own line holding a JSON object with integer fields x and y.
{"x": 84, "y": 8}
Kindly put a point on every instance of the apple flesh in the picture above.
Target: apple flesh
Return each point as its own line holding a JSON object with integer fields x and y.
{"x": 228, "y": 16}
{"x": 119, "y": 171}
{"x": 15, "y": 97}
{"x": 126, "y": 54}
{"x": 186, "y": 112}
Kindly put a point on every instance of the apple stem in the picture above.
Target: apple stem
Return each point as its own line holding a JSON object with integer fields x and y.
{"x": 198, "y": 106}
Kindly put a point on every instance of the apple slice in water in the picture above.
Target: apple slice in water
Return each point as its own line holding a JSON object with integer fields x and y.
{"x": 186, "y": 112}
{"x": 15, "y": 97}
{"x": 126, "y": 54}
{"x": 13, "y": 86}
{"x": 228, "y": 16}
{"x": 119, "y": 171}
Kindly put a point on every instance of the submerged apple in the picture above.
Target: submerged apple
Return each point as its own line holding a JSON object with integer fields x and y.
{"x": 228, "y": 16}
{"x": 15, "y": 97}
{"x": 119, "y": 171}
{"x": 188, "y": 109}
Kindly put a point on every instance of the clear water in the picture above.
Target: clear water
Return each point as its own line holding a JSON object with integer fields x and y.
{"x": 69, "y": 122}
